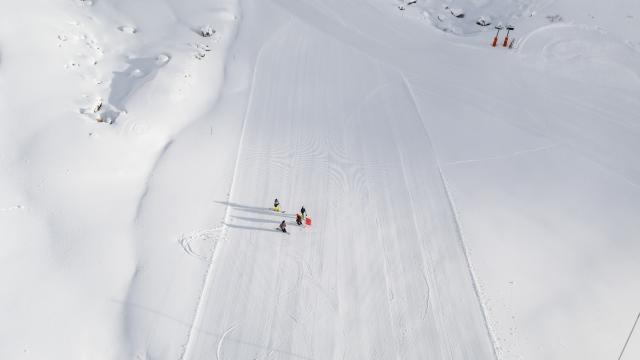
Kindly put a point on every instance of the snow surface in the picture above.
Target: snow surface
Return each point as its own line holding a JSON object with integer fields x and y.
{"x": 468, "y": 202}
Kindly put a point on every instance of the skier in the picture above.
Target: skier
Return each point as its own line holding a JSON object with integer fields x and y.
{"x": 303, "y": 211}
{"x": 298, "y": 219}
{"x": 276, "y": 205}
{"x": 283, "y": 226}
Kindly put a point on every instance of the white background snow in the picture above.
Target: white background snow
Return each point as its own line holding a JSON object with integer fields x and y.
{"x": 468, "y": 202}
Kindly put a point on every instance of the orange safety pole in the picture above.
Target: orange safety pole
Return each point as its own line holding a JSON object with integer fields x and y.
{"x": 506, "y": 38}
{"x": 495, "y": 39}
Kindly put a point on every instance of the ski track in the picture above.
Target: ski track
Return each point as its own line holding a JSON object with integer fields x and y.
{"x": 353, "y": 171}
{"x": 186, "y": 241}
{"x": 456, "y": 219}
{"x": 221, "y": 342}
{"x": 227, "y": 217}
{"x": 629, "y": 337}
{"x": 506, "y": 156}
{"x": 203, "y": 294}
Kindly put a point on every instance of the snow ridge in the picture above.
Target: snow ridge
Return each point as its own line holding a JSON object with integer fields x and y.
{"x": 629, "y": 337}
{"x": 225, "y": 230}
{"x": 474, "y": 279}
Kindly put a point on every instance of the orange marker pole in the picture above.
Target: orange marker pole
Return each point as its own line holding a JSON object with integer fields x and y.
{"x": 506, "y": 38}
{"x": 495, "y": 39}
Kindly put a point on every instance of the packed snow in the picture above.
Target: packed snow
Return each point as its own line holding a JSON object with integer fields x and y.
{"x": 466, "y": 201}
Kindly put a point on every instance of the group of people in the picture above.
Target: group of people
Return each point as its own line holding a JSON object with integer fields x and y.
{"x": 299, "y": 217}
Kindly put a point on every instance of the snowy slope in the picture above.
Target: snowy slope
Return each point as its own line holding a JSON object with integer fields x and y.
{"x": 71, "y": 185}
{"x": 327, "y": 130}
{"x": 468, "y": 202}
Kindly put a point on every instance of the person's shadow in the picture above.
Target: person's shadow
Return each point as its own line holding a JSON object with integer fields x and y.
{"x": 244, "y": 227}
{"x": 256, "y": 210}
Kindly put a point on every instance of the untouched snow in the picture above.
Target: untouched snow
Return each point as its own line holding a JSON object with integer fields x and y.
{"x": 468, "y": 202}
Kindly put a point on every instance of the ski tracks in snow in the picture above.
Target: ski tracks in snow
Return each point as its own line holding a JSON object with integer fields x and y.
{"x": 506, "y": 156}
{"x": 452, "y": 208}
{"x": 201, "y": 244}
{"x": 225, "y": 228}
{"x": 629, "y": 337}
{"x": 221, "y": 342}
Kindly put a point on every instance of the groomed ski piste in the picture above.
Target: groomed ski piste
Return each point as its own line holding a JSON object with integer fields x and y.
{"x": 468, "y": 201}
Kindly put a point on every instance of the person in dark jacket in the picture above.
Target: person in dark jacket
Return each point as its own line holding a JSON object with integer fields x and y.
{"x": 283, "y": 226}
{"x": 303, "y": 211}
{"x": 298, "y": 219}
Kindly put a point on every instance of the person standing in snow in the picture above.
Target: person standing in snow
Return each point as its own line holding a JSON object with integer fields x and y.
{"x": 283, "y": 226}
{"x": 303, "y": 211}
{"x": 276, "y": 205}
{"x": 298, "y": 219}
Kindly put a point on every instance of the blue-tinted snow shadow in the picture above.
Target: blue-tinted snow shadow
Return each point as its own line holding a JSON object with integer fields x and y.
{"x": 244, "y": 227}
{"x": 139, "y": 72}
{"x": 254, "y": 209}
{"x": 257, "y": 210}
{"x": 257, "y": 220}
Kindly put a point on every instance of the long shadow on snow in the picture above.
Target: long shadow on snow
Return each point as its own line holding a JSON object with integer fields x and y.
{"x": 254, "y": 209}
{"x": 243, "y": 227}
{"x": 258, "y": 220}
